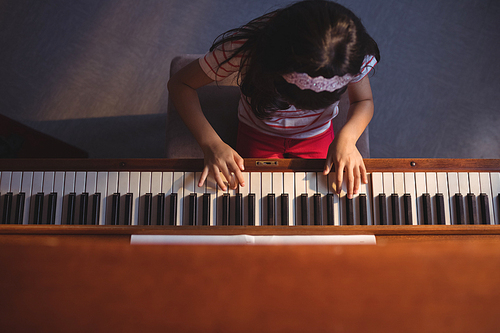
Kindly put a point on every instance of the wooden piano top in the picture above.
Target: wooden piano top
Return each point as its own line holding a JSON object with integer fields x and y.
{"x": 372, "y": 165}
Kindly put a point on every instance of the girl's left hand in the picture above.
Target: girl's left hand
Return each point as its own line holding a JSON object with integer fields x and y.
{"x": 347, "y": 160}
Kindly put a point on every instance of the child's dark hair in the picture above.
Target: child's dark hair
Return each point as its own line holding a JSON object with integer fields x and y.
{"x": 315, "y": 37}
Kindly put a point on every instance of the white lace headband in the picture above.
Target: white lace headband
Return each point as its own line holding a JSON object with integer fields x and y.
{"x": 317, "y": 84}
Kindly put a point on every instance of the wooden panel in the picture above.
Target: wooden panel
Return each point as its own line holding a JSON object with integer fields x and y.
{"x": 90, "y": 285}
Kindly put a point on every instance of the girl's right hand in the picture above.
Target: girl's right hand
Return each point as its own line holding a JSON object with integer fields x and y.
{"x": 222, "y": 159}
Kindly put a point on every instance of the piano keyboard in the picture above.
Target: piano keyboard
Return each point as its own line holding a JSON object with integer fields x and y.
{"x": 274, "y": 195}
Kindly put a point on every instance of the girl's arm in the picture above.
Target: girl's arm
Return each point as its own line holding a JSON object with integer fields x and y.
{"x": 342, "y": 151}
{"x": 219, "y": 157}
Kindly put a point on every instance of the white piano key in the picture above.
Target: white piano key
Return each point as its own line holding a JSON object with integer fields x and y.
{"x": 337, "y": 218}
{"x": 300, "y": 188}
{"x": 47, "y": 188}
{"x": 244, "y": 190}
{"x": 15, "y": 188}
{"x": 442, "y": 187}
{"x": 399, "y": 189}
{"x": 420, "y": 188}
{"x": 232, "y": 201}
{"x": 464, "y": 189}
{"x": 289, "y": 188}
{"x": 188, "y": 189}
{"x": 485, "y": 182}
{"x": 199, "y": 198}
{"x": 365, "y": 189}
{"x": 156, "y": 182}
{"x": 26, "y": 187}
{"x": 59, "y": 179}
{"x": 69, "y": 187}
{"x": 377, "y": 189}
{"x": 495, "y": 193}
{"x": 411, "y": 190}
{"x": 211, "y": 188}
{"x": 123, "y": 189}
{"x": 431, "y": 184}
{"x": 102, "y": 188}
{"x": 311, "y": 190}
{"x": 475, "y": 188}
{"x": 91, "y": 189}
{"x": 322, "y": 190}
{"x": 134, "y": 188}
{"x": 453, "y": 189}
{"x": 177, "y": 187}
{"x": 388, "y": 179}
{"x": 80, "y": 187}
{"x": 278, "y": 191}
{"x": 5, "y": 179}
{"x": 145, "y": 188}
{"x": 166, "y": 187}
{"x": 113, "y": 178}
{"x": 266, "y": 188}
{"x": 463, "y": 183}
{"x": 255, "y": 188}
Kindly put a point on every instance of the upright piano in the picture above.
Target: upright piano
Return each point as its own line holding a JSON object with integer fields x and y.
{"x": 67, "y": 262}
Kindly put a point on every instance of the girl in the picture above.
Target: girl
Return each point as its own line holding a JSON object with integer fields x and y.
{"x": 293, "y": 65}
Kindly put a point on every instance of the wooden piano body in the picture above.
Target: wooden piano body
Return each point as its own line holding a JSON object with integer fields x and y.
{"x": 430, "y": 278}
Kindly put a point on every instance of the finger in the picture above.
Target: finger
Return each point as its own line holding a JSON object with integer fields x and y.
{"x": 350, "y": 182}
{"x": 364, "y": 176}
{"x": 227, "y": 175}
{"x": 357, "y": 180}
{"x": 239, "y": 161}
{"x": 219, "y": 180}
{"x": 340, "y": 177}
{"x": 203, "y": 176}
{"x": 328, "y": 165}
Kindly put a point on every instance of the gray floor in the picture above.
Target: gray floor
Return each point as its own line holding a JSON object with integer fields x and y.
{"x": 93, "y": 72}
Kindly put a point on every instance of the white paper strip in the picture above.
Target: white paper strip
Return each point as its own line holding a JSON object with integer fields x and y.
{"x": 253, "y": 240}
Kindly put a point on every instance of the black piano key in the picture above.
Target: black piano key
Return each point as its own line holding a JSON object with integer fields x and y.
{"x": 160, "y": 209}
{"x": 70, "y": 218}
{"x": 7, "y": 208}
{"x": 206, "y": 209}
{"x": 51, "y": 208}
{"x": 271, "y": 197}
{"x": 127, "y": 219}
{"x": 115, "y": 209}
{"x": 96, "y": 208}
{"x": 193, "y": 200}
{"x": 395, "y": 209}
{"x": 284, "y": 209}
{"x": 459, "y": 209}
{"x": 382, "y": 209}
{"x": 303, "y": 209}
{"x": 485, "y": 208}
{"x": 349, "y": 211}
{"x": 173, "y": 209}
{"x": 426, "y": 209}
{"x": 472, "y": 208}
{"x": 148, "y": 208}
{"x": 363, "y": 210}
{"x": 330, "y": 211}
{"x": 37, "y": 215}
{"x": 251, "y": 209}
{"x": 84, "y": 208}
{"x": 238, "y": 209}
{"x": 440, "y": 210}
{"x": 408, "y": 213}
{"x": 20, "y": 200}
{"x": 318, "y": 218}
{"x": 225, "y": 209}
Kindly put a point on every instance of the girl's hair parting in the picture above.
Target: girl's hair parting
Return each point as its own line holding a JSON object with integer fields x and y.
{"x": 317, "y": 37}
